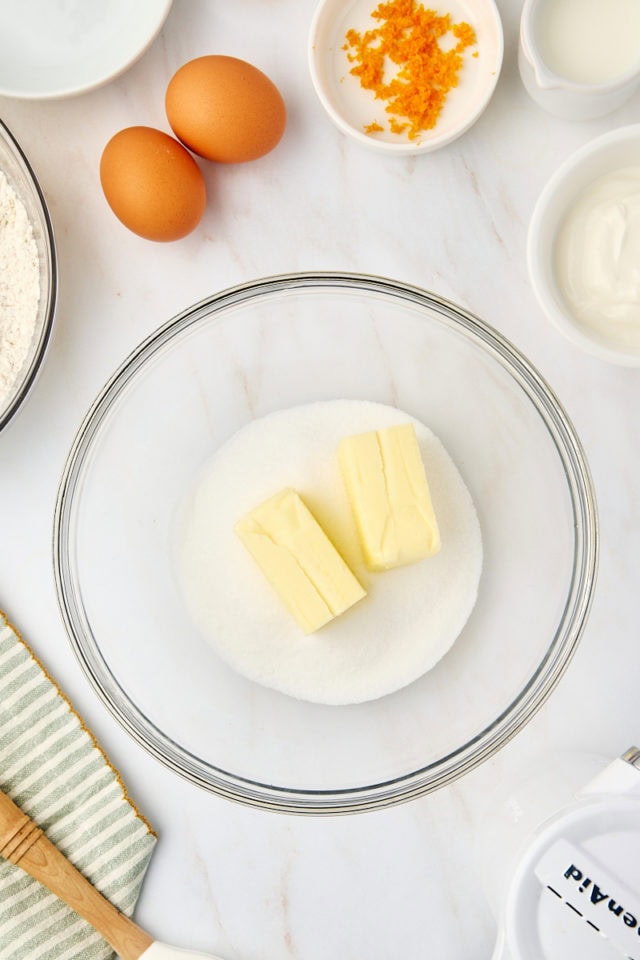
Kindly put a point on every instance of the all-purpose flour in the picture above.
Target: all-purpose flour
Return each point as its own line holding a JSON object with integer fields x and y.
{"x": 411, "y": 615}
{"x": 19, "y": 289}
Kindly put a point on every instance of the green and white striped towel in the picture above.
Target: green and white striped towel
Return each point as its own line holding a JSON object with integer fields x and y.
{"x": 52, "y": 767}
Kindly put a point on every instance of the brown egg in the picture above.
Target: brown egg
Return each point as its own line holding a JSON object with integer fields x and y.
{"x": 152, "y": 184}
{"x": 225, "y": 109}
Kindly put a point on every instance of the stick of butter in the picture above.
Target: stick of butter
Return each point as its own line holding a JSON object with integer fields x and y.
{"x": 299, "y": 560}
{"x": 386, "y": 484}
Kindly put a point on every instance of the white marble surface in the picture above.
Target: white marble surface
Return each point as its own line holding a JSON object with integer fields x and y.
{"x": 241, "y": 883}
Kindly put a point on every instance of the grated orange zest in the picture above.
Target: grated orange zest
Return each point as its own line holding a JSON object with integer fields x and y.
{"x": 408, "y": 36}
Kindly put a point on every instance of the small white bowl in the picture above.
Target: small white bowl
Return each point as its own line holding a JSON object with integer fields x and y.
{"x": 605, "y": 154}
{"x": 352, "y": 108}
{"x": 54, "y": 50}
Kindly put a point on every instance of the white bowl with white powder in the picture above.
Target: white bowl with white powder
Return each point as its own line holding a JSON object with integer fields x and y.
{"x": 28, "y": 276}
{"x": 441, "y": 663}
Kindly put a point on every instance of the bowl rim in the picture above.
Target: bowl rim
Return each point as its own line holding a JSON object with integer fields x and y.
{"x": 402, "y": 148}
{"x": 51, "y": 267}
{"x": 156, "y": 23}
{"x": 445, "y": 770}
{"x": 538, "y": 259}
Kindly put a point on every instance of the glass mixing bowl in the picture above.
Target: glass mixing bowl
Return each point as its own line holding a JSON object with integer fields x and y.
{"x": 22, "y": 180}
{"x": 273, "y": 344}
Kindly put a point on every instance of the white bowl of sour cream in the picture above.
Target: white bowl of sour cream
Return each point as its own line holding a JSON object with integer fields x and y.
{"x": 584, "y": 247}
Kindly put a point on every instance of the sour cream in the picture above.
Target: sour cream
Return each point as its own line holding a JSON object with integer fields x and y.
{"x": 597, "y": 257}
{"x": 589, "y": 41}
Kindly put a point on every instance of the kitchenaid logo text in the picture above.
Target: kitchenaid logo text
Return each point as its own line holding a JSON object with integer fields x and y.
{"x": 599, "y": 898}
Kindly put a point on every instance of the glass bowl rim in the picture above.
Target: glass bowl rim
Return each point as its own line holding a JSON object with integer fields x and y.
{"x": 51, "y": 266}
{"x": 457, "y": 762}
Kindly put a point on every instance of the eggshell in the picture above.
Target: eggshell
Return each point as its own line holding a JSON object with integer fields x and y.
{"x": 225, "y": 109}
{"x": 152, "y": 184}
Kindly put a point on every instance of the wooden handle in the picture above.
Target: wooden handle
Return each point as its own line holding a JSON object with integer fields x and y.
{"x": 25, "y": 845}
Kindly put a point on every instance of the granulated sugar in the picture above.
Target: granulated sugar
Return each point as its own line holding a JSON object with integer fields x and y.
{"x": 19, "y": 289}
{"x": 411, "y": 615}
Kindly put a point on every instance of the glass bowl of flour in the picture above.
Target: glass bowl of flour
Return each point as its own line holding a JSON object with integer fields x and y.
{"x": 28, "y": 276}
{"x": 442, "y": 662}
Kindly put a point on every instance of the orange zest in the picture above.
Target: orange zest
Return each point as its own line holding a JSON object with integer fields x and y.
{"x": 407, "y": 43}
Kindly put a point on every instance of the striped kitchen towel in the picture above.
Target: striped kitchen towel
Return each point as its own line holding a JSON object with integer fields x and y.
{"x": 52, "y": 767}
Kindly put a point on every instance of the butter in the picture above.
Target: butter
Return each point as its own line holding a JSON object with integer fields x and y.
{"x": 299, "y": 560}
{"x": 386, "y": 484}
